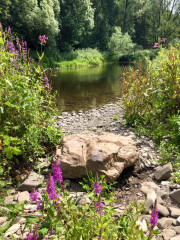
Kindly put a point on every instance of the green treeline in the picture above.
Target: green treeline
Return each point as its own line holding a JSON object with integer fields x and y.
{"x": 116, "y": 26}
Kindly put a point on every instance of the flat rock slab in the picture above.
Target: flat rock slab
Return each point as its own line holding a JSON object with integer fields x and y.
{"x": 106, "y": 153}
{"x": 34, "y": 180}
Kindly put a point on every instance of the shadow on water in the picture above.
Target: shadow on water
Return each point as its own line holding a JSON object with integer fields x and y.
{"x": 87, "y": 88}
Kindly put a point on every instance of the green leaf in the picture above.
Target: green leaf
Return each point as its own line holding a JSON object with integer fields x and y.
{"x": 44, "y": 231}
{"x": 105, "y": 225}
{"x": 1, "y": 41}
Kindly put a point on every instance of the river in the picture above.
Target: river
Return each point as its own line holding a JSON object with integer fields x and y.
{"x": 86, "y": 88}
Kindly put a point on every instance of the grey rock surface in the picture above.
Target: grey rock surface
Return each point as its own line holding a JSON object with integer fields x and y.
{"x": 164, "y": 172}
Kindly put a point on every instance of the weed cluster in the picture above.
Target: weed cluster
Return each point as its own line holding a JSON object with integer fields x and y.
{"x": 26, "y": 105}
{"x": 151, "y": 97}
{"x": 61, "y": 217}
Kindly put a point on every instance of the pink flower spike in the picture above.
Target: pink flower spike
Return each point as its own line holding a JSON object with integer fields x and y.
{"x": 156, "y": 45}
{"x": 97, "y": 187}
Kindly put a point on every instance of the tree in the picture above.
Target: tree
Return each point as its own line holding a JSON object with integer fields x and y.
{"x": 120, "y": 44}
{"x": 77, "y": 21}
{"x": 31, "y": 18}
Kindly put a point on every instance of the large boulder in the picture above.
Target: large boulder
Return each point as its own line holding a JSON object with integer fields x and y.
{"x": 105, "y": 153}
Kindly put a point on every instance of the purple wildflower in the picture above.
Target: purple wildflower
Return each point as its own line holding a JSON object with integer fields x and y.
{"x": 30, "y": 60}
{"x": 32, "y": 237}
{"x": 34, "y": 195}
{"x": 47, "y": 82}
{"x": 43, "y": 39}
{"x": 156, "y": 45}
{"x": 163, "y": 39}
{"x": 57, "y": 173}
{"x": 51, "y": 232}
{"x": 154, "y": 217}
{"x": 9, "y": 30}
{"x": 97, "y": 187}
{"x": 11, "y": 47}
{"x": 51, "y": 189}
{"x": 99, "y": 208}
{"x": 18, "y": 47}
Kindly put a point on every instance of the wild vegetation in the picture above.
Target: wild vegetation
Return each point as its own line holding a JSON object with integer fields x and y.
{"x": 61, "y": 217}
{"x": 85, "y": 32}
{"x": 27, "y": 107}
{"x": 151, "y": 97}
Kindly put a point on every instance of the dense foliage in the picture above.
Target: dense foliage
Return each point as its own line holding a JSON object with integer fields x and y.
{"x": 74, "y": 24}
{"x": 26, "y": 105}
{"x": 152, "y": 101}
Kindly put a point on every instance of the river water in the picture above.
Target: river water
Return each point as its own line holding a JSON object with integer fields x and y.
{"x": 87, "y": 88}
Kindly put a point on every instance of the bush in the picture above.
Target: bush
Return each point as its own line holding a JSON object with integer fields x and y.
{"x": 151, "y": 98}
{"x": 139, "y": 55}
{"x": 119, "y": 44}
{"x": 26, "y": 105}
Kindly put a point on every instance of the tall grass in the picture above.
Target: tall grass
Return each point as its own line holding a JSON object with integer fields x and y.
{"x": 151, "y": 98}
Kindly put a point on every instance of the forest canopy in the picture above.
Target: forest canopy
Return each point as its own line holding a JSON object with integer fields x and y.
{"x": 73, "y": 24}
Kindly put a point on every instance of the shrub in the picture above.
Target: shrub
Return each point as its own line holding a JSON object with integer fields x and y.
{"x": 27, "y": 106}
{"x": 151, "y": 98}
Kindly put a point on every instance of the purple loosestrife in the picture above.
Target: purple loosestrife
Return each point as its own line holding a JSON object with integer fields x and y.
{"x": 9, "y": 30}
{"x": 31, "y": 237}
{"x": 97, "y": 187}
{"x": 46, "y": 82}
{"x": 154, "y": 217}
{"x": 57, "y": 173}
{"x": 156, "y": 45}
{"x": 51, "y": 191}
{"x": 34, "y": 197}
{"x": 24, "y": 50}
{"x": 99, "y": 208}
{"x": 163, "y": 40}
{"x": 43, "y": 39}
{"x": 51, "y": 232}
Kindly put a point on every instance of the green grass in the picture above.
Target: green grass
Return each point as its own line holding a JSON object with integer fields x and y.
{"x": 76, "y": 58}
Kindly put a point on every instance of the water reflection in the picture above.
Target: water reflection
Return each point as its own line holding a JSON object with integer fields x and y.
{"x": 86, "y": 88}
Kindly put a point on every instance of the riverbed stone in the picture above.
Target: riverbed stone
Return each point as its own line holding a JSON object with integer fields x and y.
{"x": 34, "y": 180}
{"x": 165, "y": 222}
{"x": 2, "y": 220}
{"x": 9, "y": 200}
{"x": 177, "y": 237}
{"x": 164, "y": 172}
{"x": 175, "y": 212}
{"x": 168, "y": 234}
{"x": 163, "y": 210}
{"x": 106, "y": 153}
{"x": 14, "y": 228}
{"x": 23, "y": 196}
{"x": 148, "y": 187}
{"x": 175, "y": 195}
{"x": 176, "y": 229}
